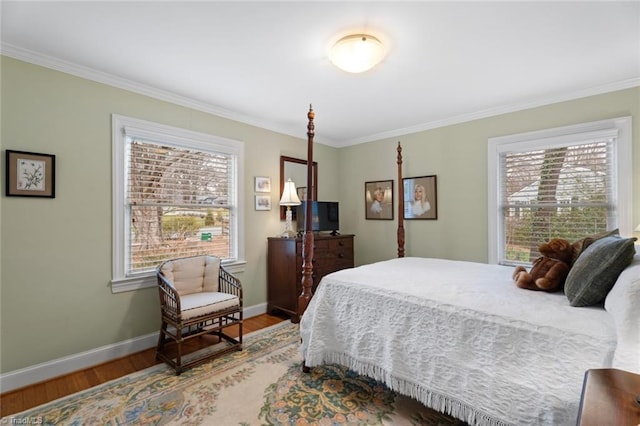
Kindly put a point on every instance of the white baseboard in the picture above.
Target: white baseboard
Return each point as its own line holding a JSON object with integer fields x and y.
{"x": 47, "y": 370}
{"x": 254, "y": 311}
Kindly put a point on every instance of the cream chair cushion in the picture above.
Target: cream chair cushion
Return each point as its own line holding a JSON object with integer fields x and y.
{"x": 193, "y": 274}
{"x": 198, "y": 304}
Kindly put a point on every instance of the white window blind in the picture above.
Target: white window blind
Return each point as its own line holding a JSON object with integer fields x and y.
{"x": 178, "y": 201}
{"x": 566, "y": 182}
{"x": 561, "y": 192}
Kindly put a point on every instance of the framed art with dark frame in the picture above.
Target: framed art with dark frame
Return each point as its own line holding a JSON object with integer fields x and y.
{"x": 420, "y": 197}
{"x": 378, "y": 197}
{"x": 30, "y": 174}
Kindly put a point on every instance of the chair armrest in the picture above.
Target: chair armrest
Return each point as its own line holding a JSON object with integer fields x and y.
{"x": 169, "y": 297}
{"x": 228, "y": 283}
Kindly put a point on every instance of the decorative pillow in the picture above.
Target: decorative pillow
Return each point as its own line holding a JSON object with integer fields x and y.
{"x": 582, "y": 244}
{"x": 623, "y": 303}
{"x": 597, "y": 269}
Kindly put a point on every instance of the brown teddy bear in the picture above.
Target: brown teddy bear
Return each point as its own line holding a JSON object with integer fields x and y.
{"x": 549, "y": 271}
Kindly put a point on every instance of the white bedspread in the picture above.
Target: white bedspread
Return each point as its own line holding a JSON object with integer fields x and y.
{"x": 460, "y": 337}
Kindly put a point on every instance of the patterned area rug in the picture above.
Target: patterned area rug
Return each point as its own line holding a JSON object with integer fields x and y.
{"x": 261, "y": 385}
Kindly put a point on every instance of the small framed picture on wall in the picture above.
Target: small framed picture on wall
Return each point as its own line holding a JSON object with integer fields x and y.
{"x": 420, "y": 197}
{"x": 378, "y": 200}
{"x": 263, "y": 202}
{"x": 263, "y": 184}
{"x": 30, "y": 174}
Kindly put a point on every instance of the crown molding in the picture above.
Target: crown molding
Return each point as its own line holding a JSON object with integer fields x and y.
{"x": 163, "y": 95}
{"x": 491, "y": 112}
{"x": 71, "y": 68}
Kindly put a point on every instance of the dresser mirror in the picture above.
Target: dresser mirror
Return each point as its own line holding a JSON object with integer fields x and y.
{"x": 296, "y": 170}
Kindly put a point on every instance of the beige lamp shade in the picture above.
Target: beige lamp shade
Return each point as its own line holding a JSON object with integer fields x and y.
{"x": 289, "y": 194}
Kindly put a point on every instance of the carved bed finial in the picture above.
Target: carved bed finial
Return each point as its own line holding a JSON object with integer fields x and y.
{"x": 310, "y": 130}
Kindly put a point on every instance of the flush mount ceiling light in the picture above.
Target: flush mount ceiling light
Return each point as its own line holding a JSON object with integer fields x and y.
{"x": 357, "y": 53}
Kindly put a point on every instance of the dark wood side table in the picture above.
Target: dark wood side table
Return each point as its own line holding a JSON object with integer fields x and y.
{"x": 610, "y": 397}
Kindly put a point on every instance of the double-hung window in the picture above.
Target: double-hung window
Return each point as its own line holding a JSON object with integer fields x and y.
{"x": 567, "y": 182}
{"x": 176, "y": 193}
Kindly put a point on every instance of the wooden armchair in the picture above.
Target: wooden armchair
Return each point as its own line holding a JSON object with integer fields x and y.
{"x": 197, "y": 296}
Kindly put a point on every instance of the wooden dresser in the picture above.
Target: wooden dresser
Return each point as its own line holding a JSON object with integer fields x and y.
{"x": 284, "y": 267}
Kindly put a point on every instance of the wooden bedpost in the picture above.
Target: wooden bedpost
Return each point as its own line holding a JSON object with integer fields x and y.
{"x": 400, "y": 205}
{"x": 307, "y": 243}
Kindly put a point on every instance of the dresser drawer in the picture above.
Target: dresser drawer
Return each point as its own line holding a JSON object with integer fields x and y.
{"x": 341, "y": 244}
{"x": 332, "y": 243}
{"x": 318, "y": 246}
{"x": 328, "y": 250}
{"x": 339, "y": 260}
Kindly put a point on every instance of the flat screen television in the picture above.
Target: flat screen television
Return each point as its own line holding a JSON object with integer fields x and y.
{"x": 324, "y": 216}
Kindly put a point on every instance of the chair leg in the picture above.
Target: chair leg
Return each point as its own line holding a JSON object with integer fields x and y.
{"x": 161, "y": 339}
{"x": 179, "y": 348}
{"x": 221, "y": 330}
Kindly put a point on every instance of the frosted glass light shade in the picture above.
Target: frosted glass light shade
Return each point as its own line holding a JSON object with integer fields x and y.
{"x": 357, "y": 53}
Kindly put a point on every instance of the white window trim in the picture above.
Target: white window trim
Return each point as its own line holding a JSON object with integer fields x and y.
{"x": 121, "y": 126}
{"x": 558, "y": 136}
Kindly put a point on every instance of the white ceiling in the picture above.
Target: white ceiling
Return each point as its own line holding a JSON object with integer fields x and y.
{"x": 264, "y": 62}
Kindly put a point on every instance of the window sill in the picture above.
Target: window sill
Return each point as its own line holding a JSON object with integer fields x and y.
{"x": 148, "y": 280}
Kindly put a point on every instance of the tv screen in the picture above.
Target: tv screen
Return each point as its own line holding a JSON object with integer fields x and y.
{"x": 324, "y": 216}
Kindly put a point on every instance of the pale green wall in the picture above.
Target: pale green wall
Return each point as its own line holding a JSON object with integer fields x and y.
{"x": 56, "y": 254}
{"x": 457, "y": 154}
{"x": 56, "y": 298}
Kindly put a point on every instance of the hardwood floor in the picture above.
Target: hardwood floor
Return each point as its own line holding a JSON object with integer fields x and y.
{"x": 40, "y": 393}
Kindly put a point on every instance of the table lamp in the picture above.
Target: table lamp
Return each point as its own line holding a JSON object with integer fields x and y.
{"x": 289, "y": 198}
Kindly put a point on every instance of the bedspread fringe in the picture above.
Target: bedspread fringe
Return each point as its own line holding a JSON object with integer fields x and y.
{"x": 439, "y": 402}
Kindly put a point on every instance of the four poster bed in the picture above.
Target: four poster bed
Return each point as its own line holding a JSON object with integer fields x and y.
{"x": 461, "y": 338}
